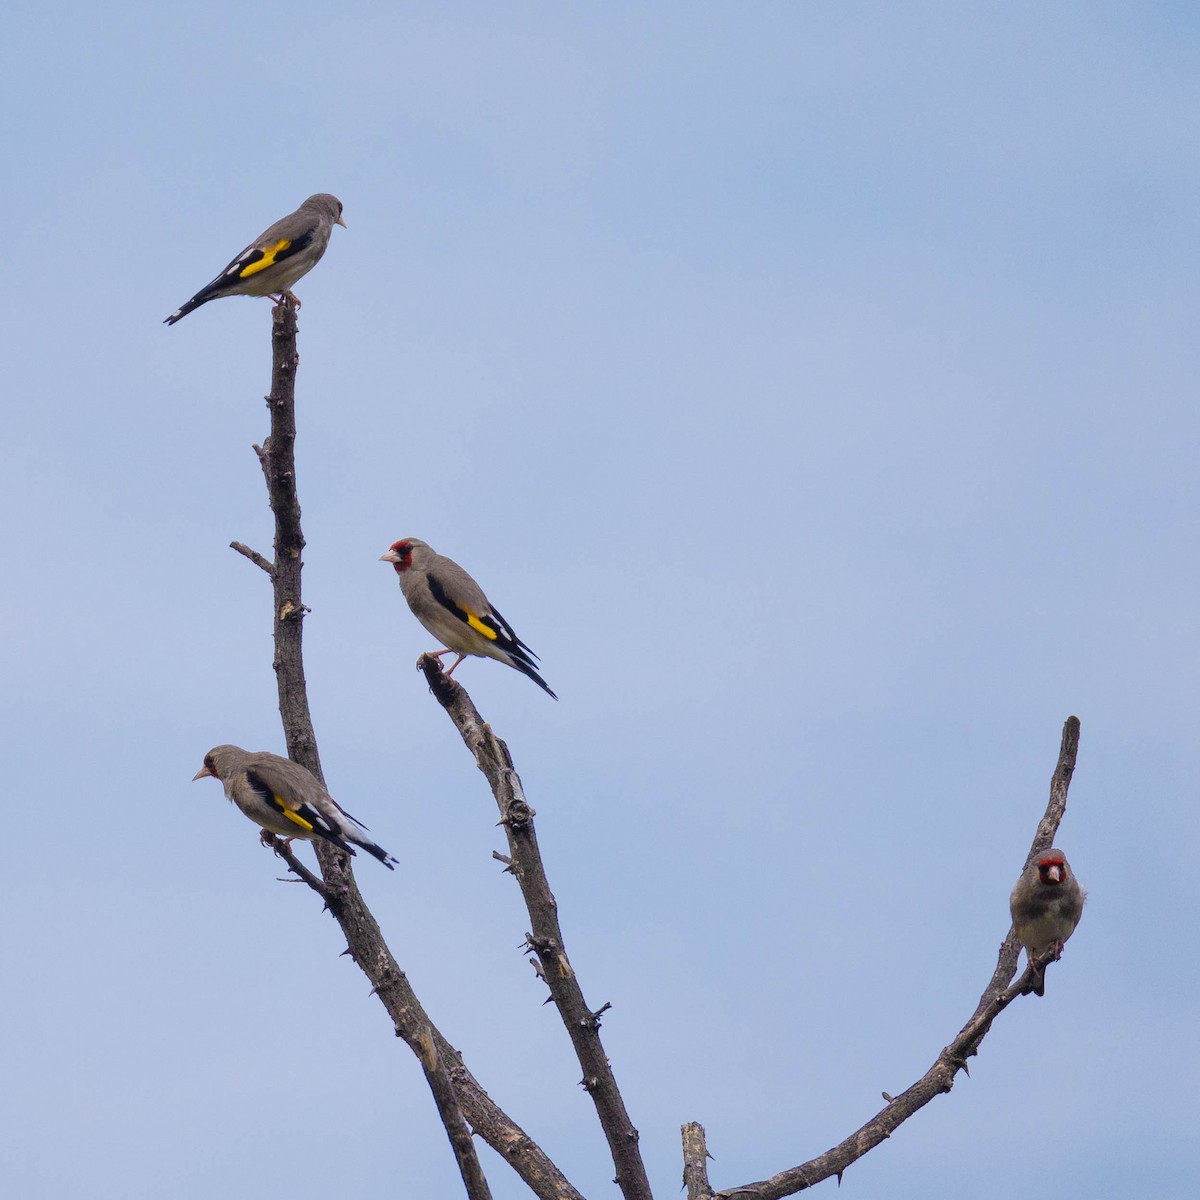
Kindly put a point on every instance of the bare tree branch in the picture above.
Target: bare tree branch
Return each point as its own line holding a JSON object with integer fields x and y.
{"x": 464, "y": 1107}
{"x": 451, "y": 1113}
{"x": 254, "y": 556}
{"x": 442, "y": 1063}
{"x": 1060, "y": 782}
{"x": 997, "y": 996}
{"x": 695, "y": 1162}
{"x": 546, "y": 940}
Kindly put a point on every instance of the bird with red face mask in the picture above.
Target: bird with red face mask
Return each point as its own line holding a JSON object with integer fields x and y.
{"x": 1046, "y": 905}
{"x": 452, "y": 606}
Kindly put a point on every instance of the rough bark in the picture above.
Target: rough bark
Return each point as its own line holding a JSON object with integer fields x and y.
{"x": 458, "y": 1094}
{"x": 465, "y": 1108}
{"x": 546, "y": 938}
{"x": 695, "y": 1162}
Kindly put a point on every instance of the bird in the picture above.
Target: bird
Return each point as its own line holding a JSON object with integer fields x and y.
{"x": 277, "y": 258}
{"x": 1046, "y": 905}
{"x": 452, "y": 606}
{"x": 285, "y": 798}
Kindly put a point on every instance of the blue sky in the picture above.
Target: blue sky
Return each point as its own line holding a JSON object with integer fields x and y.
{"x": 811, "y": 385}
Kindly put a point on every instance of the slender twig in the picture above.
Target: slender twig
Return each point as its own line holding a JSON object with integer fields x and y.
{"x": 254, "y": 556}
{"x": 997, "y": 996}
{"x": 695, "y": 1162}
{"x": 338, "y": 888}
{"x": 546, "y": 938}
{"x": 284, "y": 850}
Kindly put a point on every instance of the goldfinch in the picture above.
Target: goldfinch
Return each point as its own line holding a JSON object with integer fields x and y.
{"x": 1046, "y": 905}
{"x": 452, "y": 606}
{"x": 277, "y": 258}
{"x": 285, "y": 798}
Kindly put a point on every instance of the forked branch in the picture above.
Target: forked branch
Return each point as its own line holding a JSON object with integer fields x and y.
{"x": 464, "y": 1106}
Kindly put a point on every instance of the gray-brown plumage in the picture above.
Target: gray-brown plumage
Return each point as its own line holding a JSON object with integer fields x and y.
{"x": 1046, "y": 905}
{"x": 452, "y": 606}
{"x": 285, "y": 798}
{"x": 277, "y": 258}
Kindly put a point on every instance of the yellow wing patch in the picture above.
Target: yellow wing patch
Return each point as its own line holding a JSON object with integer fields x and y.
{"x": 479, "y": 627}
{"x": 295, "y": 818}
{"x": 267, "y": 260}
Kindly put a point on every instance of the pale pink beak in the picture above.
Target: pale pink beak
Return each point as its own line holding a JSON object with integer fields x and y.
{"x": 391, "y": 556}
{"x": 341, "y": 223}
{"x": 203, "y": 773}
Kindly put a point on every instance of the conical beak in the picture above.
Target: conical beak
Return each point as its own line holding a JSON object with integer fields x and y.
{"x": 391, "y": 556}
{"x": 342, "y": 223}
{"x": 203, "y": 773}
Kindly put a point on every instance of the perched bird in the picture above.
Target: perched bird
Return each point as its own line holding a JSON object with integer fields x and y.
{"x": 1046, "y": 906}
{"x": 277, "y": 258}
{"x": 452, "y": 606}
{"x": 286, "y": 798}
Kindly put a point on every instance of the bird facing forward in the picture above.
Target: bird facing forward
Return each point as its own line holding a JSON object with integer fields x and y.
{"x": 285, "y": 798}
{"x": 1046, "y": 905}
{"x": 452, "y": 606}
{"x": 277, "y": 258}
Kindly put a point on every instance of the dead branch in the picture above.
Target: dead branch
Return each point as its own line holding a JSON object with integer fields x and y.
{"x": 695, "y": 1162}
{"x": 997, "y": 996}
{"x": 365, "y": 944}
{"x": 546, "y": 939}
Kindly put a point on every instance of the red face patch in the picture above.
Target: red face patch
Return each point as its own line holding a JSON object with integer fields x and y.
{"x": 1051, "y": 870}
